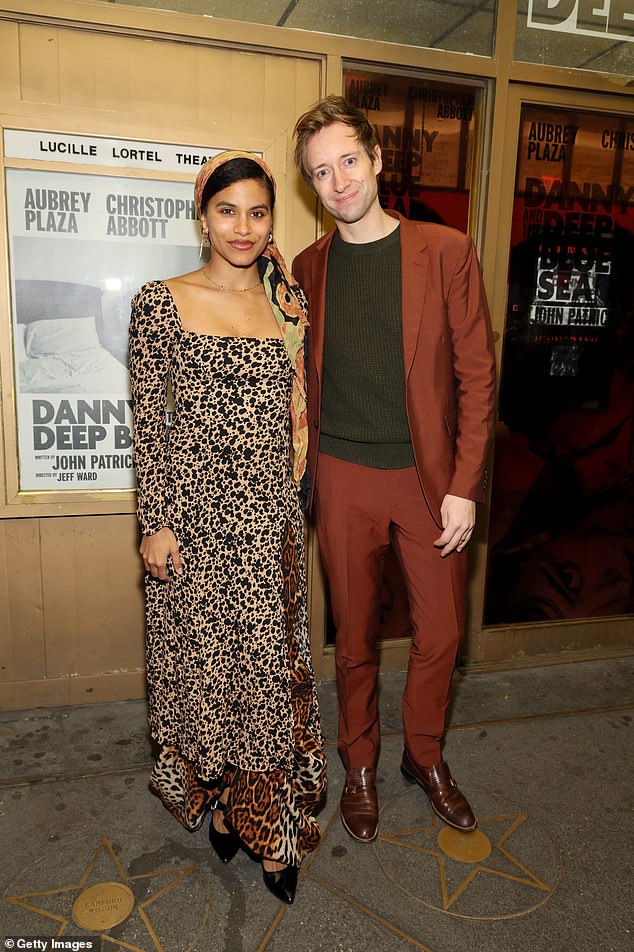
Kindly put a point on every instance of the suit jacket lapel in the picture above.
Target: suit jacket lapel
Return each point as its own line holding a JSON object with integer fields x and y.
{"x": 317, "y": 314}
{"x": 414, "y": 271}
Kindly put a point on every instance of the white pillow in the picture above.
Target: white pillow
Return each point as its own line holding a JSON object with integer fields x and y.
{"x": 61, "y": 335}
{"x": 19, "y": 335}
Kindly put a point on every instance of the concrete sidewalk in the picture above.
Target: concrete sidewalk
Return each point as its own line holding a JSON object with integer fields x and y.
{"x": 544, "y": 755}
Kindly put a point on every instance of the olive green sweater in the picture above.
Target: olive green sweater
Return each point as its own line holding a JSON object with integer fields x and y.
{"x": 363, "y": 414}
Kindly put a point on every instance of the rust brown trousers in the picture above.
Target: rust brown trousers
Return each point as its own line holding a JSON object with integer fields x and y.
{"x": 359, "y": 511}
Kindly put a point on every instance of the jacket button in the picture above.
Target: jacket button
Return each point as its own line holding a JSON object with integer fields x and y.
{"x": 315, "y": 423}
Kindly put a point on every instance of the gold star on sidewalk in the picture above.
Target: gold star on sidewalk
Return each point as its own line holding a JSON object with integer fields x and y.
{"x": 485, "y": 857}
{"x": 97, "y": 904}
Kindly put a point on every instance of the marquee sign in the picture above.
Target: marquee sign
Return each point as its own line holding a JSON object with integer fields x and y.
{"x": 610, "y": 19}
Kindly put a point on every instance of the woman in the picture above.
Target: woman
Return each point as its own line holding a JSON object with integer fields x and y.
{"x": 231, "y": 689}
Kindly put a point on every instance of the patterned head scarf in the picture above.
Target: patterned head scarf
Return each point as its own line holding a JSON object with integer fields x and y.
{"x": 222, "y": 158}
{"x": 289, "y": 307}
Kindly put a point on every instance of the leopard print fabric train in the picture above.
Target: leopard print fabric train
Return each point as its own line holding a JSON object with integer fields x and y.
{"x": 231, "y": 691}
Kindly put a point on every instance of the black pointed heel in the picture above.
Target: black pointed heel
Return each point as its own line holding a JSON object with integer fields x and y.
{"x": 225, "y": 845}
{"x": 282, "y": 883}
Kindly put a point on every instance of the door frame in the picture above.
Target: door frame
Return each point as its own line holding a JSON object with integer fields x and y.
{"x": 543, "y": 642}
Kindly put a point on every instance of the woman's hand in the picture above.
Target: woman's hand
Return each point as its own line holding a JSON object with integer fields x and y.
{"x": 155, "y": 550}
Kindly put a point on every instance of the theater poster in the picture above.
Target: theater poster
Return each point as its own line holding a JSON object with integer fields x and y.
{"x": 80, "y": 245}
{"x": 561, "y": 539}
{"x": 426, "y": 131}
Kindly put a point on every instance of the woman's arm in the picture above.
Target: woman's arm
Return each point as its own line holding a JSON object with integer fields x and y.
{"x": 149, "y": 346}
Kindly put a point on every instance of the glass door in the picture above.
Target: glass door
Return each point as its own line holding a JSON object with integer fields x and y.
{"x": 561, "y": 532}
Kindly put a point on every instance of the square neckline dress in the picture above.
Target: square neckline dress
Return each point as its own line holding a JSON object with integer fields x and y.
{"x": 231, "y": 690}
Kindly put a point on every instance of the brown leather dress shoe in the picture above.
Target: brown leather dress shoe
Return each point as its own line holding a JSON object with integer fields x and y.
{"x": 445, "y": 797}
{"x": 360, "y": 805}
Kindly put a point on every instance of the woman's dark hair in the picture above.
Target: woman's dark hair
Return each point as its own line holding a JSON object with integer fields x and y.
{"x": 235, "y": 170}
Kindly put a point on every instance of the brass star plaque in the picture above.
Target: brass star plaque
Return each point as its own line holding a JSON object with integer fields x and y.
{"x": 103, "y": 906}
{"x": 101, "y": 895}
{"x": 472, "y": 847}
{"x": 505, "y": 868}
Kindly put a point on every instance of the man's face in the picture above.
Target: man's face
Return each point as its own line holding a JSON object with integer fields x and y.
{"x": 342, "y": 173}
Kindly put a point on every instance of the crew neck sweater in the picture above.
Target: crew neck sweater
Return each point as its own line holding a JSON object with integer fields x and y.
{"x": 363, "y": 412}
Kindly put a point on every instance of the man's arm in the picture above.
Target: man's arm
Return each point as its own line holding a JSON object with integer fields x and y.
{"x": 474, "y": 370}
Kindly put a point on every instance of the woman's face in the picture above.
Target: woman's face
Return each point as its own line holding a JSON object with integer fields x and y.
{"x": 239, "y": 221}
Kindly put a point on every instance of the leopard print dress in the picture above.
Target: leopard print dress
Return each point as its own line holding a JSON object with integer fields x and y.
{"x": 231, "y": 690}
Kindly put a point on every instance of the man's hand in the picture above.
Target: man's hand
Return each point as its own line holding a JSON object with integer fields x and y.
{"x": 155, "y": 550}
{"x": 458, "y": 520}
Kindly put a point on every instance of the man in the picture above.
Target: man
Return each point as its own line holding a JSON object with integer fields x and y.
{"x": 400, "y": 378}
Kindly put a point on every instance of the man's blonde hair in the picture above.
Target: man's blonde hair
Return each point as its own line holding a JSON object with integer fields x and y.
{"x": 325, "y": 113}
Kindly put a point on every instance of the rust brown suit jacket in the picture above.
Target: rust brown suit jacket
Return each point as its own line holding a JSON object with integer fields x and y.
{"x": 448, "y": 351}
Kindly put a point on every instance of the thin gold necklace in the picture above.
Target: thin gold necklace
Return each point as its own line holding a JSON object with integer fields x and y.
{"x": 222, "y": 287}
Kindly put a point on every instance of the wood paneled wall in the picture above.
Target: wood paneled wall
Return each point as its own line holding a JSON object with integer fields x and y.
{"x": 72, "y": 611}
{"x": 71, "y": 601}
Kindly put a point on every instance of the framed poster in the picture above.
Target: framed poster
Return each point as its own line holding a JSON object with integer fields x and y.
{"x": 81, "y": 243}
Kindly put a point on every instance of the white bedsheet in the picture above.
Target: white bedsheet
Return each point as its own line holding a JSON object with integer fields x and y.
{"x": 93, "y": 370}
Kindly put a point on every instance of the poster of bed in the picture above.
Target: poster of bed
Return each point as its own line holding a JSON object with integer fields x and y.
{"x": 81, "y": 246}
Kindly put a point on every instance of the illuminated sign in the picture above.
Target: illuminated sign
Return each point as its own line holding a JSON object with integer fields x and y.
{"x": 612, "y": 19}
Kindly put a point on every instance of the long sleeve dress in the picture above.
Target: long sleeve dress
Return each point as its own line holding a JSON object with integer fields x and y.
{"x": 231, "y": 689}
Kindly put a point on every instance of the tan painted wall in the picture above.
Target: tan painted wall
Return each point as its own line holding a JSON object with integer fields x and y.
{"x": 71, "y": 604}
